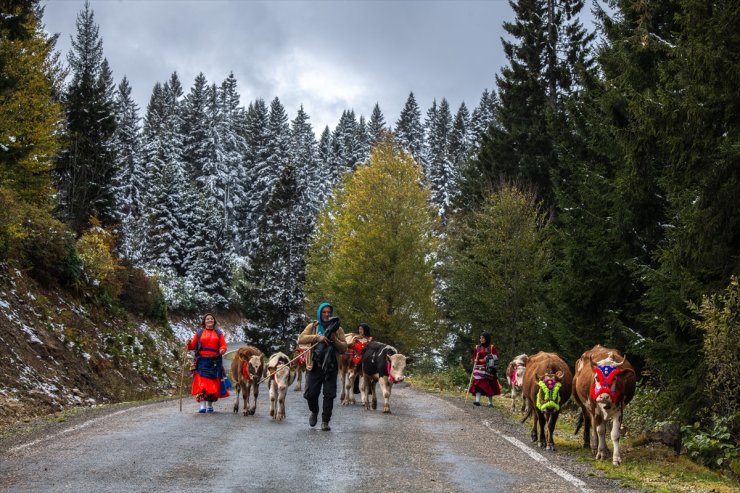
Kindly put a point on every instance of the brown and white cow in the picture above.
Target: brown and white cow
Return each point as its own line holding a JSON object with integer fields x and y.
{"x": 603, "y": 384}
{"x": 300, "y": 356}
{"x": 247, "y": 369}
{"x": 384, "y": 364}
{"x": 280, "y": 376}
{"x": 350, "y": 367}
{"x": 547, "y": 386}
{"x": 515, "y": 377}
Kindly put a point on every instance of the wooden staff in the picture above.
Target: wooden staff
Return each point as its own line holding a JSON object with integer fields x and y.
{"x": 182, "y": 379}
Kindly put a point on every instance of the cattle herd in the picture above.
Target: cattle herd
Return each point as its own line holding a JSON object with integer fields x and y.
{"x": 365, "y": 364}
{"x": 603, "y": 383}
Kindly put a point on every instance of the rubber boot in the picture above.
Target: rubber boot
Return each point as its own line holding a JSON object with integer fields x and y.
{"x": 477, "y": 399}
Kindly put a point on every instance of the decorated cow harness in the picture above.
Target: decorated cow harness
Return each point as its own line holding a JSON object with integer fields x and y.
{"x": 548, "y": 398}
{"x": 605, "y": 375}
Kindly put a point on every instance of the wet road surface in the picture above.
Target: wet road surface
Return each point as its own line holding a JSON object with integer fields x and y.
{"x": 428, "y": 443}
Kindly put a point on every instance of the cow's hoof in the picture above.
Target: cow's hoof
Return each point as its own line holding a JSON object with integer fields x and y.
{"x": 236, "y": 410}
{"x": 375, "y": 405}
{"x": 252, "y": 411}
{"x": 272, "y": 413}
{"x": 543, "y": 445}
{"x": 617, "y": 461}
{"x": 386, "y": 411}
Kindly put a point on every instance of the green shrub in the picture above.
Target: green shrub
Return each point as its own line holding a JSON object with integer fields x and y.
{"x": 712, "y": 446}
{"x": 94, "y": 248}
{"x": 141, "y": 294}
{"x": 48, "y": 248}
{"x": 718, "y": 318}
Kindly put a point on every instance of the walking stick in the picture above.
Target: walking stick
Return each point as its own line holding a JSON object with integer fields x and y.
{"x": 182, "y": 380}
{"x": 472, "y": 372}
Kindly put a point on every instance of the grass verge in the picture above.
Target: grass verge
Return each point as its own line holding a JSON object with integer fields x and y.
{"x": 649, "y": 468}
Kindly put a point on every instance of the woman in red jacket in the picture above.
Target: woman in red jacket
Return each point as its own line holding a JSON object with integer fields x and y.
{"x": 484, "y": 378}
{"x": 209, "y": 345}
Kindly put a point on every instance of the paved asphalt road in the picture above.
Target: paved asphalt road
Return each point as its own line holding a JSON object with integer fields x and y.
{"x": 428, "y": 443}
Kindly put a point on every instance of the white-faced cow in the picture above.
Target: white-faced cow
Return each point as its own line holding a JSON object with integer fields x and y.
{"x": 280, "y": 377}
{"x": 349, "y": 366}
{"x": 603, "y": 384}
{"x": 515, "y": 377}
{"x": 384, "y": 364}
{"x": 247, "y": 369}
{"x": 547, "y": 386}
{"x": 300, "y": 355}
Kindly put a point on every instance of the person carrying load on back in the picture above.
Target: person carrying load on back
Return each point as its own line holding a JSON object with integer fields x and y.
{"x": 321, "y": 363}
{"x": 209, "y": 345}
{"x": 484, "y": 381}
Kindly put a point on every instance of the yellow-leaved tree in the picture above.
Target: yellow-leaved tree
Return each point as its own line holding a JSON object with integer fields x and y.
{"x": 373, "y": 251}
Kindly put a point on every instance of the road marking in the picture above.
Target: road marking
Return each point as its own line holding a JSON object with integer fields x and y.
{"x": 541, "y": 459}
{"x": 68, "y": 430}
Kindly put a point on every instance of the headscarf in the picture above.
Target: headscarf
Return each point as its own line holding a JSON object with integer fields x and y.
{"x": 365, "y": 328}
{"x": 486, "y": 337}
{"x": 320, "y": 330}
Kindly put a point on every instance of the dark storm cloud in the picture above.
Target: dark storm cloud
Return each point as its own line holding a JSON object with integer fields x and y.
{"x": 328, "y": 55}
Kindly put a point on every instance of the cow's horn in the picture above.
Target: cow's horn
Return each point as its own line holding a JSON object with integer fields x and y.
{"x": 624, "y": 358}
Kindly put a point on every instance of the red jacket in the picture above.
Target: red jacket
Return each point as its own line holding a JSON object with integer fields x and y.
{"x": 212, "y": 343}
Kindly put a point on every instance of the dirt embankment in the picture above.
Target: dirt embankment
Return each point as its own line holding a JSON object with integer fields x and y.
{"x": 63, "y": 349}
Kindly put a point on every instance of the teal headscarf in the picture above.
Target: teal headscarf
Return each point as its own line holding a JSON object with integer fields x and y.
{"x": 318, "y": 317}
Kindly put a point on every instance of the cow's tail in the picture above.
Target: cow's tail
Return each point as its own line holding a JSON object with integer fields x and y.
{"x": 579, "y": 423}
{"x": 529, "y": 413}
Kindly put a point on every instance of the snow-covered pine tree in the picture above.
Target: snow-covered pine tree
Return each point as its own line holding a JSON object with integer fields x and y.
{"x": 257, "y": 139}
{"x": 344, "y": 143}
{"x": 376, "y": 126}
{"x": 198, "y": 143}
{"x": 166, "y": 211}
{"x": 86, "y": 164}
{"x": 271, "y": 287}
{"x": 232, "y": 152}
{"x": 461, "y": 145}
{"x": 129, "y": 180}
{"x": 319, "y": 186}
{"x": 482, "y": 117}
{"x": 304, "y": 156}
{"x": 362, "y": 141}
{"x": 409, "y": 130}
{"x": 209, "y": 270}
{"x": 440, "y": 171}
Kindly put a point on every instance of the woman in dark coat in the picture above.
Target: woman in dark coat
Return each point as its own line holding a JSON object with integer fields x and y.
{"x": 484, "y": 381}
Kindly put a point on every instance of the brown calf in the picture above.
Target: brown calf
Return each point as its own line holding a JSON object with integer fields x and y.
{"x": 547, "y": 386}
{"x": 515, "y": 378}
{"x": 349, "y": 366}
{"x": 247, "y": 369}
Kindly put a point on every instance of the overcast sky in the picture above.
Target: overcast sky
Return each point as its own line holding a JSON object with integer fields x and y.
{"x": 327, "y": 55}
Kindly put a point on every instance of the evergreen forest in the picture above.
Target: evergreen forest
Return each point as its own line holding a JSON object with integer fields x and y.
{"x": 591, "y": 195}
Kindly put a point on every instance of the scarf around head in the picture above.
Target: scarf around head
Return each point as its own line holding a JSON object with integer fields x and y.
{"x": 320, "y": 330}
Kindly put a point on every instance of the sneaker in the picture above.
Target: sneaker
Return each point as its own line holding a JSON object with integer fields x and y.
{"x": 202, "y": 410}
{"x": 313, "y": 419}
{"x": 210, "y": 409}
{"x": 325, "y": 426}
{"x": 476, "y": 403}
